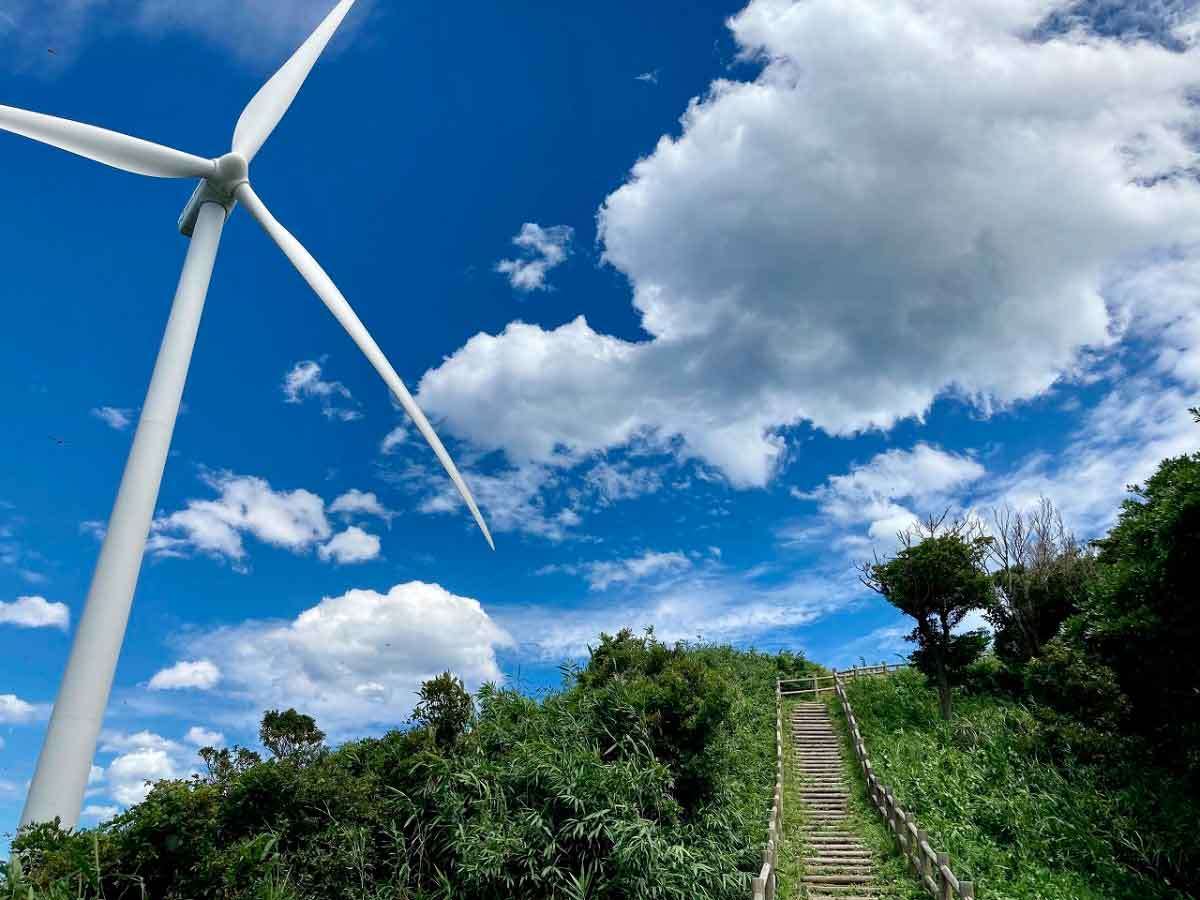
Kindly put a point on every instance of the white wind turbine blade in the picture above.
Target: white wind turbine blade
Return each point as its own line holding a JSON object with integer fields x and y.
{"x": 269, "y": 105}
{"x": 320, "y": 282}
{"x": 109, "y": 147}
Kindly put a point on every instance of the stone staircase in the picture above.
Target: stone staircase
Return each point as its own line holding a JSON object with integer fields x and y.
{"x": 837, "y": 865}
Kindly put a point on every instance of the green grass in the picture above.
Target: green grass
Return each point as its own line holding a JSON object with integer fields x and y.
{"x": 1015, "y": 820}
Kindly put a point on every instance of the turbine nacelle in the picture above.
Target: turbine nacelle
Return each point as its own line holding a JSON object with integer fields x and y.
{"x": 229, "y": 173}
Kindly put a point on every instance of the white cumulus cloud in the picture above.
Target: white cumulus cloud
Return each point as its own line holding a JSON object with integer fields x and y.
{"x": 15, "y": 711}
{"x": 357, "y": 659}
{"x": 142, "y": 759}
{"x": 35, "y": 612}
{"x": 200, "y": 675}
{"x": 294, "y": 520}
{"x": 199, "y": 736}
{"x": 350, "y": 546}
{"x": 841, "y": 243}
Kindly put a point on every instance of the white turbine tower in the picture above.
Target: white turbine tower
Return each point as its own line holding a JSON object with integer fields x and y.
{"x": 62, "y": 770}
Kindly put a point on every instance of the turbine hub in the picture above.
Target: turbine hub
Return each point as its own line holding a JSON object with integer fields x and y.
{"x": 229, "y": 171}
{"x": 232, "y": 170}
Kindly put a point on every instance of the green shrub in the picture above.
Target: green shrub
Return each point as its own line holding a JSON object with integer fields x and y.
{"x": 648, "y": 775}
{"x": 1141, "y": 616}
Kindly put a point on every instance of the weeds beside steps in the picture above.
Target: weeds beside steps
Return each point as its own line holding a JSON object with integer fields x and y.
{"x": 930, "y": 866}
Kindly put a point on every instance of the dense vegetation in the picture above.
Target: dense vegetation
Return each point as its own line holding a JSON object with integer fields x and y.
{"x": 1023, "y": 811}
{"x": 647, "y": 775}
{"x": 1071, "y": 767}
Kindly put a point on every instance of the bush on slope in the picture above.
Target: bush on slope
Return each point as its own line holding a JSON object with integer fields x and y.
{"x": 648, "y": 775}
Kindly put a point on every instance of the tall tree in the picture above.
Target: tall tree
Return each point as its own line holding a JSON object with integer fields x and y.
{"x": 290, "y": 735}
{"x": 937, "y": 577}
{"x": 1142, "y": 615}
{"x": 445, "y": 708}
{"x": 1041, "y": 575}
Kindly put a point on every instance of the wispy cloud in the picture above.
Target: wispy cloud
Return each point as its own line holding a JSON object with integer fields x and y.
{"x": 393, "y": 439}
{"x": 260, "y": 33}
{"x": 117, "y": 419}
{"x": 304, "y": 381}
{"x": 528, "y": 499}
{"x": 885, "y": 495}
{"x": 544, "y": 249}
{"x": 713, "y": 605}
{"x": 603, "y": 574}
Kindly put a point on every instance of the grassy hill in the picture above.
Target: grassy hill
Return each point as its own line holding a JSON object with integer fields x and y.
{"x": 1026, "y": 804}
{"x": 648, "y": 775}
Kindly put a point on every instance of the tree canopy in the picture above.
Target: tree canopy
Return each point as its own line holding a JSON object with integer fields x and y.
{"x": 938, "y": 577}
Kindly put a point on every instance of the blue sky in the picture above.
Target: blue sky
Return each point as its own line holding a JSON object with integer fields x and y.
{"x": 706, "y": 308}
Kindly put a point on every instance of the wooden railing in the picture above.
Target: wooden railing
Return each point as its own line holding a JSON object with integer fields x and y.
{"x": 763, "y": 887}
{"x": 824, "y": 684}
{"x": 820, "y": 684}
{"x": 931, "y": 867}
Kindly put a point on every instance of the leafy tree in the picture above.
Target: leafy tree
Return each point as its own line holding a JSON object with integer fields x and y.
{"x": 682, "y": 701}
{"x": 937, "y": 577}
{"x": 290, "y": 735}
{"x": 225, "y": 763}
{"x": 445, "y": 709}
{"x": 1142, "y": 613}
{"x": 1041, "y": 575}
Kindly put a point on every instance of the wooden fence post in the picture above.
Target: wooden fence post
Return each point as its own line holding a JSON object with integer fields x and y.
{"x": 945, "y": 891}
{"x": 907, "y": 844}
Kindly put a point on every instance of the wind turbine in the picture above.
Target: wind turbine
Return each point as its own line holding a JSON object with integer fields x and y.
{"x": 65, "y": 761}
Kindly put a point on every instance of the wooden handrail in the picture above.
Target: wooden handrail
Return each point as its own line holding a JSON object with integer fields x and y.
{"x": 763, "y": 887}
{"x": 932, "y": 868}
